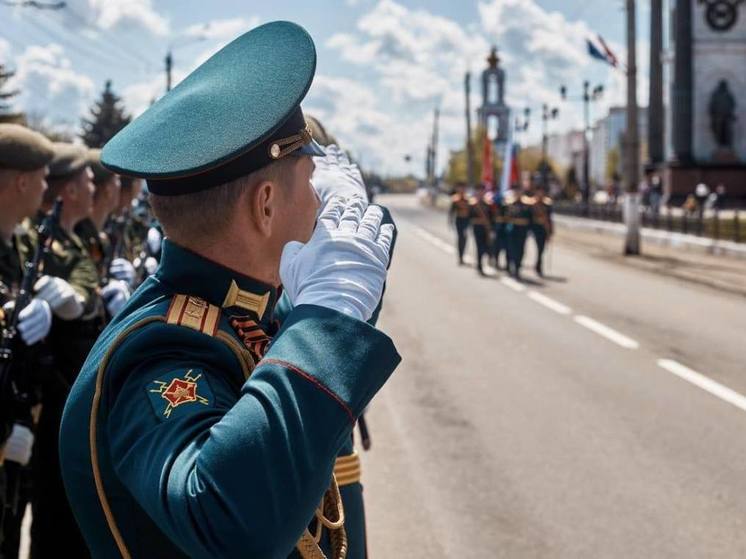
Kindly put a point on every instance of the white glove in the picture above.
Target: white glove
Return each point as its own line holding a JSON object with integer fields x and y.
{"x": 154, "y": 240}
{"x": 19, "y": 444}
{"x": 334, "y": 176}
{"x": 122, "y": 269}
{"x": 65, "y": 302}
{"x": 115, "y": 295}
{"x": 151, "y": 265}
{"x": 35, "y": 321}
{"x": 343, "y": 266}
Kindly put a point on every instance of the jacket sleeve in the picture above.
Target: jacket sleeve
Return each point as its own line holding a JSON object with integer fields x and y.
{"x": 85, "y": 280}
{"x": 237, "y": 471}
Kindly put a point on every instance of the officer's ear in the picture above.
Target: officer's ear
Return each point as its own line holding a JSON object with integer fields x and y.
{"x": 261, "y": 200}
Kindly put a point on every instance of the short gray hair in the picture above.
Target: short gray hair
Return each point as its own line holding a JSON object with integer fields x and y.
{"x": 206, "y": 214}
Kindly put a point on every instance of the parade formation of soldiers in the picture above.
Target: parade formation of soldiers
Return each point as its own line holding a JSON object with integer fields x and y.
{"x": 501, "y": 225}
{"x": 74, "y": 246}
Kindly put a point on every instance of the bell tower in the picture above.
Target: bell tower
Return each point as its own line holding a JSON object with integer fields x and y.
{"x": 494, "y": 114}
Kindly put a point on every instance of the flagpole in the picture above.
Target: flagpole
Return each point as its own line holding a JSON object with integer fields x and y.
{"x": 507, "y": 161}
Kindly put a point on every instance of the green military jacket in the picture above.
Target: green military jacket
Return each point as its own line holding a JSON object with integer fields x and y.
{"x": 68, "y": 258}
{"x": 97, "y": 244}
{"x": 517, "y": 212}
{"x": 12, "y": 258}
{"x": 203, "y": 424}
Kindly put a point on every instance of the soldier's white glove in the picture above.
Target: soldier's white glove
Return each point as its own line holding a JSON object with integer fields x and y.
{"x": 65, "y": 302}
{"x": 115, "y": 295}
{"x": 19, "y": 444}
{"x": 122, "y": 269}
{"x": 35, "y": 321}
{"x": 154, "y": 239}
{"x": 334, "y": 175}
{"x": 343, "y": 266}
{"x": 151, "y": 265}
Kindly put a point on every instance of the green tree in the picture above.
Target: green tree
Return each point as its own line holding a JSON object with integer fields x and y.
{"x": 457, "y": 163}
{"x": 107, "y": 118}
{"x": 6, "y": 115}
{"x": 613, "y": 159}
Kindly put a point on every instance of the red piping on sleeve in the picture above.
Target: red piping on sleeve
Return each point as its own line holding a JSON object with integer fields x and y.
{"x": 314, "y": 381}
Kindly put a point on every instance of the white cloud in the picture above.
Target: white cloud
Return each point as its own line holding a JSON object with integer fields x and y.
{"x": 418, "y": 60}
{"x": 376, "y": 136}
{"x": 128, "y": 13}
{"x": 50, "y": 86}
{"x": 222, "y": 29}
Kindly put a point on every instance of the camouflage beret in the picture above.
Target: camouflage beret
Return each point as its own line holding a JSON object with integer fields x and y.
{"x": 23, "y": 149}
{"x": 69, "y": 159}
{"x": 100, "y": 173}
{"x": 319, "y": 133}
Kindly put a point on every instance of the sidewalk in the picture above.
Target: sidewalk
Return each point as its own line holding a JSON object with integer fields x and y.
{"x": 682, "y": 261}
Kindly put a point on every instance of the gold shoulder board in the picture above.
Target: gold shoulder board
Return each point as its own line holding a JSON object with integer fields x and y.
{"x": 194, "y": 313}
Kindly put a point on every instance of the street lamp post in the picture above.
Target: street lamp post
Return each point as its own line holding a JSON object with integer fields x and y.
{"x": 589, "y": 95}
{"x": 169, "y": 60}
{"x": 547, "y": 114}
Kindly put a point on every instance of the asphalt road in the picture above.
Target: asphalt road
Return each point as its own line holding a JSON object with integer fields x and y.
{"x": 595, "y": 414}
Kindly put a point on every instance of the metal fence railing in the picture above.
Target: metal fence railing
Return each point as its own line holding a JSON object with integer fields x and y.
{"x": 715, "y": 224}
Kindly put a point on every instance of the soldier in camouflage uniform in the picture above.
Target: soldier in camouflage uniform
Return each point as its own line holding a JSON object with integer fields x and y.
{"x": 76, "y": 325}
{"x": 92, "y": 230}
{"x": 24, "y": 156}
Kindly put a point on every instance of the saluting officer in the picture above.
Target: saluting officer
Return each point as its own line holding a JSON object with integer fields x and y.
{"x": 542, "y": 226}
{"x": 459, "y": 215}
{"x": 212, "y": 422}
{"x": 481, "y": 222}
{"x": 24, "y": 156}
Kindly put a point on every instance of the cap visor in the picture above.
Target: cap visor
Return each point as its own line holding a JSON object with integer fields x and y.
{"x": 311, "y": 148}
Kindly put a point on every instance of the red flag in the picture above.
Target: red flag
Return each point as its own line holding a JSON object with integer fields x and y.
{"x": 488, "y": 171}
{"x": 515, "y": 172}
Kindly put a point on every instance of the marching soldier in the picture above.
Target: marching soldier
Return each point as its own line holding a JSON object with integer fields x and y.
{"x": 481, "y": 223}
{"x": 541, "y": 225}
{"x": 518, "y": 221}
{"x": 24, "y": 156}
{"x": 499, "y": 236}
{"x": 459, "y": 215}
{"x": 214, "y": 421}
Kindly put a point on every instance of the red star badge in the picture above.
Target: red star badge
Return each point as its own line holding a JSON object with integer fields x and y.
{"x": 179, "y": 391}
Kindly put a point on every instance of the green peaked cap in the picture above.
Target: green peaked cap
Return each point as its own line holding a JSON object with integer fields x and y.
{"x": 236, "y": 113}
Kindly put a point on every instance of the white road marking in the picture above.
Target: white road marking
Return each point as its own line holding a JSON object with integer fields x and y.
{"x": 707, "y": 384}
{"x": 513, "y": 284}
{"x": 606, "y": 332}
{"x": 433, "y": 240}
{"x": 549, "y": 303}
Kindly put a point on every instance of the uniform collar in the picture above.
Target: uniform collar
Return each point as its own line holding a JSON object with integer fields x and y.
{"x": 188, "y": 273}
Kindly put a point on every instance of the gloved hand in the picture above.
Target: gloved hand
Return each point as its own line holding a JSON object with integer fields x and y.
{"x": 151, "y": 265}
{"x": 154, "y": 239}
{"x": 343, "y": 266}
{"x": 115, "y": 295}
{"x": 122, "y": 269}
{"x": 35, "y": 321}
{"x": 334, "y": 175}
{"x": 19, "y": 444}
{"x": 64, "y": 301}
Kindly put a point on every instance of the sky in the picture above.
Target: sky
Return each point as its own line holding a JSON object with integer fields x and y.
{"x": 383, "y": 65}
